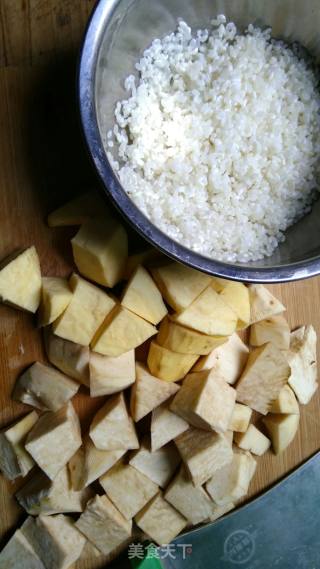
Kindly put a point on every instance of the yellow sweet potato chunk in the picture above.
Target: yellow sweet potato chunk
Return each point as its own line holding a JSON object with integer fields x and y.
{"x": 20, "y": 280}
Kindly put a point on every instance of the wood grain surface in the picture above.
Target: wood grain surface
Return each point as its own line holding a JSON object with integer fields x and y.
{"x": 42, "y": 164}
{"x": 36, "y": 32}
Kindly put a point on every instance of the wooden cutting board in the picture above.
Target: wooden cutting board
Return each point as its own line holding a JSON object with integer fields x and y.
{"x": 42, "y": 164}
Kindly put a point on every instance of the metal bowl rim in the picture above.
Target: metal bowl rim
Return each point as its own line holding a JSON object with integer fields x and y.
{"x": 112, "y": 187}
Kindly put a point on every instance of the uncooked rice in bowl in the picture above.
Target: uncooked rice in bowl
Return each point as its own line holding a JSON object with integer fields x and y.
{"x": 219, "y": 140}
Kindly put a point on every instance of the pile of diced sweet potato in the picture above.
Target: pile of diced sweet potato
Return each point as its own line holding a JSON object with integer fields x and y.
{"x": 192, "y": 460}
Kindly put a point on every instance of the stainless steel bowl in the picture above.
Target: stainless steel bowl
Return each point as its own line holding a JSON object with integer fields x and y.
{"x": 117, "y": 34}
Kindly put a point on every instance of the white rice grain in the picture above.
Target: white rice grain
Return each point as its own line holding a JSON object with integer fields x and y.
{"x": 219, "y": 140}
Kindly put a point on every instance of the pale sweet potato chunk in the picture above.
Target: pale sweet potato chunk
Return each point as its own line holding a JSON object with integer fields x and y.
{"x": 203, "y": 453}
{"x": 70, "y": 358}
{"x": 252, "y": 440}
{"x": 265, "y": 374}
{"x": 165, "y": 426}
{"x": 228, "y": 360}
{"x": 183, "y": 340}
{"x": 55, "y": 539}
{"x": 179, "y": 284}
{"x": 220, "y": 511}
{"x": 148, "y": 392}
{"x": 282, "y": 430}
{"x": 104, "y": 525}
{"x": 109, "y": 375}
{"x": 206, "y": 401}
{"x": 20, "y": 280}
{"x": 128, "y": 489}
{"x": 44, "y": 387}
{"x": 143, "y": 297}
{"x": 141, "y": 258}
{"x": 263, "y": 303}
{"x": 55, "y": 297}
{"x": 168, "y": 365}
{"x": 274, "y": 329}
{"x": 18, "y": 553}
{"x": 193, "y": 503}
{"x": 100, "y": 250}
{"x": 302, "y": 359}
{"x": 231, "y": 482}
{"x": 89, "y": 463}
{"x": 285, "y": 403}
{"x": 40, "y": 495}
{"x": 112, "y": 428}
{"x": 15, "y": 461}
{"x": 91, "y": 555}
{"x": 235, "y": 295}
{"x": 159, "y": 465}
{"x": 78, "y": 210}
{"x": 240, "y": 418}
{"x": 121, "y": 332}
{"x": 160, "y": 521}
{"x": 208, "y": 314}
{"x": 86, "y": 312}
{"x": 54, "y": 439}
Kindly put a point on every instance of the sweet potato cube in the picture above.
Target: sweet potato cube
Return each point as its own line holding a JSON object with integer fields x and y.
{"x": 179, "y": 284}
{"x": 193, "y": 503}
{"x": 228, "y": 360}
{"x": 40, "y": 495}
{"x": 302, "y": 359}
{"x": 18, "y": 553}
{"x": 100, "y": 250}
{"x": 78, "y": 210}
{"x": 91, "y": 556}
{"x": 206, "y": 401}
{"x": 148, "y": 392}
{"x": 143, "y": 297}
{"x": 89, "y": 463}
{"x": 253, "y": 465}
{"x": 208, "y": 314}
{"x": 160, "y": 521}
{"x": 263, "y": 304}
{"x": 168, "y": 365}
{"x": 220, "y": 511}
{"x": 159, "y": 465}
{"x": 265, "y": 374}
{"x": 70, "y": 358}
{"x": 86, "y": 312}
{"x": 240, "y": 418}
{"x": 112, "y": 428}
{"x": 282, "y": 430}
{"x": 235, "y": 295}
{"x": 228, "y": 435}
{"x": 183, "y": 340}
{"x": 55, "y": 539}
{"x": 104, "y": 525}
{"x": 54, "y": 439}
{"x": 231, "y": 482}
{"x": 286, "y": 402}
{"x": 165, "y": 426}
{"x": 15, "y": 461}
{"x": 55, "y": 297}
{"x": 252, "y": 440}
{"x": 20, "y": 280}
{"x": 203, "y": 453}
{"x": 141, "y": 258}
{"x": 128, "y": 489}
{"x": 121, "y": 332}
{"x": 109, "y": 375}
{"x": 44, "y": 387}
{"x": 274, "y": 329}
